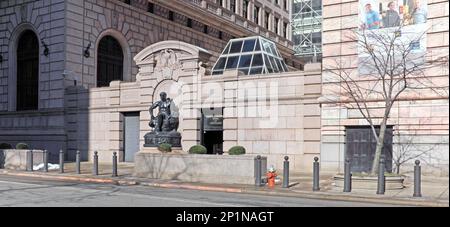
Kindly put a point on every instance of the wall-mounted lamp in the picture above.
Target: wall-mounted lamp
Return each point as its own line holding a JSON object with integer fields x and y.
{"x": 46, "y": 50}
{"x": 87, "y": 53}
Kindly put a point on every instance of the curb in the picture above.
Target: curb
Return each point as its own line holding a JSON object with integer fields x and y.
{"x": 287, "y": 193}
{"x": 346, "y": 198}
{"x": 64, "y": 178}
{"x": 193, "y": 187}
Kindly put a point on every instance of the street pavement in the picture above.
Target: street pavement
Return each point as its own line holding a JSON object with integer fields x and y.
{"x": 29, "y": 192}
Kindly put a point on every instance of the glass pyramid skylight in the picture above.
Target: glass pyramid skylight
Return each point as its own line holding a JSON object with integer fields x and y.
{"x": 252, "y": 55}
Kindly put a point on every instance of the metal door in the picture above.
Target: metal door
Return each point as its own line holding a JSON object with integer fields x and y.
{"x": 131, "y": 135}
{"x": 361, "y": 145}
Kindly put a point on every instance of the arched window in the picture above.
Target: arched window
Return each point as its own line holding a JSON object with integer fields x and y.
{"x": 109, "y": 61}
{"x": 28, "y": 72}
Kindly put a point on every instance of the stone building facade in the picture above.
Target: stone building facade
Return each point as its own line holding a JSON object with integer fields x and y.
{"x": 71, "y": 109}
{"x": 420, "y": 121}
{"x": 64, "y": 85}
{"x": 282, "y": 120}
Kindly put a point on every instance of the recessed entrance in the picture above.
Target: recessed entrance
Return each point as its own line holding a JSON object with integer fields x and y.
{"x": 361, "y": 145}
{"x": 131, "y": 135}
{"x": 212, "y": 130}
{"x": 28, "y": 72}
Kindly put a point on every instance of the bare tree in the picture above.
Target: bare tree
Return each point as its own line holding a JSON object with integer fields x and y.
{"x": 391, "y": 70}
{"x": 408, "y": 150}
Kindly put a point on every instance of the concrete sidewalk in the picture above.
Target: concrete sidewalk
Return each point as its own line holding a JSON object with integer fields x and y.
{"x": 435, "y": 190}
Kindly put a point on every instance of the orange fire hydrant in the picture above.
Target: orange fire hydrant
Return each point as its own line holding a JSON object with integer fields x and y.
{"x": 271, "y": 175}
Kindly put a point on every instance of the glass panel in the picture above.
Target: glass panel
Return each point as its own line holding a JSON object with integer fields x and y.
{"x": 257, "y": 70}
{"x": 220, "y": 64}
{"x": 245, "y": 61}
{"x": 279, "y": 65}
{"x": 267, "y": 48}
{"x": 249, "y": 45}
{"x": 227, "y": 49}
{"x": 267, "y": 58}
{"x": 236, "y": 47}
{"x": 232, "y": 62}
{"x": 268, "y": 64}
{"x": 274, "y": 65}
{"x": 258, "y": 45}
{"x": 257, "y": 60}
{"x": 273, "y": 50}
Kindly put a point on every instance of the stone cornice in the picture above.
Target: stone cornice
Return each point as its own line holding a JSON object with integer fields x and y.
{"x": 210, "y": 18}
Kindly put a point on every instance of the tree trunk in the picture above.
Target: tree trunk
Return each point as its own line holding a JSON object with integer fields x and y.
{"x": 379, "y": 149}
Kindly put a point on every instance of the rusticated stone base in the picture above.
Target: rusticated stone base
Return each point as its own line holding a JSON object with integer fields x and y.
{"x": 17, "y": 159}
{"x": 215, "y": 169}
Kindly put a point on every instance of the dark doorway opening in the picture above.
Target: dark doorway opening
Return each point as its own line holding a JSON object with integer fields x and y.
{"x": 109, "y": 62}
{"x": 28, "y": 72}
{"x": 213, "y": 141}
{"x": 361, "y": 145}
{"x": 131, "y": 122}
{"x": 212, "y": 130}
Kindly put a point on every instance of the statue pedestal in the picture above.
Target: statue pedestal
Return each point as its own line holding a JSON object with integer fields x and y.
{"x": 154, "y": 150}
{"x": 154, "y": 139}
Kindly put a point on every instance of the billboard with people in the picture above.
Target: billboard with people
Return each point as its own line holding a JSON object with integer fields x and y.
{"x": 380, "y": 20}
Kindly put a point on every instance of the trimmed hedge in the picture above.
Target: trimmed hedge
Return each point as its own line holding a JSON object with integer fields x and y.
{"x": 237, "y": 150}
{"x": 22, "y": 146}
{"x": 5, "y": 146}
{"x": 165, "y": 148}
{"x": 198, "y": 149}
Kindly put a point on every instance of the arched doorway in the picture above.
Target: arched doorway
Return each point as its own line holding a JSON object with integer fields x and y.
{"x": 28, "y": 72}
{"x": 109, "y": 61}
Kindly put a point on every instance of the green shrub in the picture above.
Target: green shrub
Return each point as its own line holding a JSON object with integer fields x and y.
{"x": 22, "y": 146}
{"x": 165, "y": 148}
{"x": 5, "y": 146}
{"x": 198, "y": 149}
{"x": 237, "y": 150}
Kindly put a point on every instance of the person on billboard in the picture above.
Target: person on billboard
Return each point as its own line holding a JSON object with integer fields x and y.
{"x": 372, "y": 18}
{"x": 419, "y": 13}
{"x": 392, "y": 18}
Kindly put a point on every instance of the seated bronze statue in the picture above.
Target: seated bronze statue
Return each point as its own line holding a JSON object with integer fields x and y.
{"x": 164, "y": 121}
{"x": 165, "y": 124}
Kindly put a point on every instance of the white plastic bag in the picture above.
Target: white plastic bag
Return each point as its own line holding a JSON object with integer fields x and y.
{"x": 50, "y": 167}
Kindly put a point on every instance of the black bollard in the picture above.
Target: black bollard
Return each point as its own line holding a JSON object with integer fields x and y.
{"x": 61, "y": 161}
{"x": 45, "y": 160}
{"x": 417, "y": 180}
{"x": 286, "y": 172}
{"x": 258, "y": 175}
{"x": 347, "y": 176}
{"x": 95, "y": 168}
{"x": 381, "y": 178}
{"x": 114, "y": 174}
{"x": 316, "y": 175}
{"x": 78, "y": 162}
{"x": 30, "y": 161}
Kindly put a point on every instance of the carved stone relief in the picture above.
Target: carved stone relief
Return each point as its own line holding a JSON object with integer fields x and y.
{"x": 167, "y": 63}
